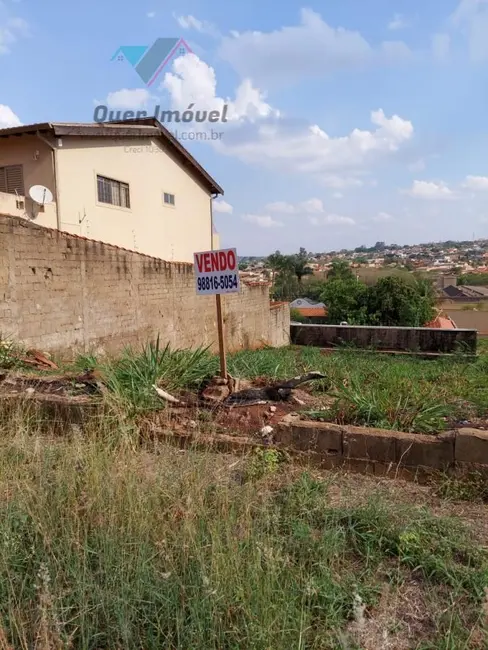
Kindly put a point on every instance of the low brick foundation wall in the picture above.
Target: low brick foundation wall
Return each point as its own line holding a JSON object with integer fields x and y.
{"x": 382, "y": 452}
{"x": 409, "y": 339}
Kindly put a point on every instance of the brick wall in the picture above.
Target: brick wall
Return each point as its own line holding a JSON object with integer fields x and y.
{"x": 62, "y": 293}
{"x": 414, "y": 339}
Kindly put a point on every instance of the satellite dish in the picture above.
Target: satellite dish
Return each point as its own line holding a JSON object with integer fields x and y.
{"x": 40, "y": 194}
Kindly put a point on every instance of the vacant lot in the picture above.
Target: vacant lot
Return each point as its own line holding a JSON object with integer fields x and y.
{"x": 403, "y": 393}
{"x": 108, "y": 543}
{"x": 396, "y": 392}
{"x": 111, "y": 540}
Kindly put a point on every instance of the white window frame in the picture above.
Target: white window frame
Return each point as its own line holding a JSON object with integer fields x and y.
{"x": 169, "y": 204}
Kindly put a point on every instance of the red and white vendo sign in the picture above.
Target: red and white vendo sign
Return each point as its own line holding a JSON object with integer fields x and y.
{"x": 217, "y": 272}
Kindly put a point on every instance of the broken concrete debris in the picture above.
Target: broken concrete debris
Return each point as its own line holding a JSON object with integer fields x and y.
{"x": 278, "y": 392}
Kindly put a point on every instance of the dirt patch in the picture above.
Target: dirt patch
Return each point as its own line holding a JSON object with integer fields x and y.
{"x": 250, "y": 420}
{"x": 56, "y": 385}
{"x": 399, "y": 621}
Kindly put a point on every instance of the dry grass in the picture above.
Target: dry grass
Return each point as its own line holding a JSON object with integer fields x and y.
{"x": 106, "y": 542}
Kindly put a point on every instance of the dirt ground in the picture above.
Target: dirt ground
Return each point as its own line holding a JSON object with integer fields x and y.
{"x": 59, "y": 385}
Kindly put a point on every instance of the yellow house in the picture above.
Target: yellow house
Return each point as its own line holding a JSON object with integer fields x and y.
{"x": 128, "y": 183}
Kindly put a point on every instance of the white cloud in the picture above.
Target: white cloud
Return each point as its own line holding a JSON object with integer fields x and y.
{"x": 13, "y": 29}
{"x": 417, "y": 166}
{"x": 476, "y": 183}
{"x": 441, "y": 44}
{"x": 310, "y": 206}
{"x": 331, "y": 220}
{"x": 281, "y": 206}
{"x": 307, "y": 149}
{"x": 309, "y": 49}
{"x": 381, "y": 217}
{"x": 134, "y": 98}
{"x": 338, "y": 195}
{"x": 151, "y": 14}
{"x": 263, "y": 221}
{"x": 314, "y": 208}
{"x": 430, "y": 190}
{"x": 193, "y": 81}
{"x": 471, "y": 16}
{"x": 340, "y": 182}
{"x": 191, "y": 23}
{"x": 259, "y": 134}
{"x": 19, "y": 25}
{"x": 398, "y": 22}
{"x": 8, "y": 118}
{"x": 223, "y": 207}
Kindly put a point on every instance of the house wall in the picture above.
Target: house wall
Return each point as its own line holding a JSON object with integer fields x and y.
{"x": 477, "y": 320}
{"x": 66, "y": 294}
{"x": 149, "y": 226}
{"x": 27, "y": 209}
{"x": 36, "y": 158}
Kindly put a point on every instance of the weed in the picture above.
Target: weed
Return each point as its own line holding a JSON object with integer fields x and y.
{"x": 471, "y": 486}
{"x": 264, "y": 462}
{"x": 9, "y": 353}
{"x": 86, "y": 362}
{"x": 132, "y": 376}
{"x": 417, "y": 411}
{"x": 106, "y": 545}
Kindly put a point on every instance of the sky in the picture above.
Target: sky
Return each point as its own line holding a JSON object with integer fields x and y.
{"x": 349, "y": 121}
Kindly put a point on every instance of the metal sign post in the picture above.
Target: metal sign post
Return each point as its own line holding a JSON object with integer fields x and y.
{"x": 220, "y": 329}
{"x": 217, "y": 273}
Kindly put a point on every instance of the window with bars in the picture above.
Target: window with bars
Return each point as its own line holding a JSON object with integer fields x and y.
{"x": 169, "y": 199}
{"x": 12, "y": 180}
{"x": 113, "y": 192}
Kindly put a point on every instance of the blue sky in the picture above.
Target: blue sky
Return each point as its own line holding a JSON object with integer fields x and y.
{"x": 351, "y": 121}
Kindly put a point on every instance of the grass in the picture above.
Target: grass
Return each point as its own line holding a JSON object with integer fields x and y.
{"x": 470, "y": 486}
{"x": 407, "y": 394}
{"x": 131, "y": 376}
{"x": 104, "y": 544}
{"x": 403, "y": 393}
{"x": 10, "y": 352}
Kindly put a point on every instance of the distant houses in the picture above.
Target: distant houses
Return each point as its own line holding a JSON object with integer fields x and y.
{"x": 309, "y": 309}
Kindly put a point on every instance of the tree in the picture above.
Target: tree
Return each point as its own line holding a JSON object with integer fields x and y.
{"x": 313, "y": 289}
{"x": 289, "y": 270}
{"x": 398, "y": 301}
{"x": 277, "y": 261}
{"x": 299, "y": 264}
{"x": 285, "y": 283}
{"x": 392, "y": 301}
{"x": 477, "y": 279}
{"x": 340, "y": 270}
{"x": 346, "y": 300}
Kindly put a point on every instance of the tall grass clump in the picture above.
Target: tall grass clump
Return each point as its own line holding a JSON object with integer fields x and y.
{"x": 110, "y": 546}
{"x": 410, "y": 410}
{"x": 131, "y": 376}
{"x": 405, "y": 393}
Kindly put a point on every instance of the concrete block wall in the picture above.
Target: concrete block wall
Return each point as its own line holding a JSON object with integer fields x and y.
{"x": 414, "y": 339}
{"x": 62, "y": 293}
{"x": 384, "y": 452}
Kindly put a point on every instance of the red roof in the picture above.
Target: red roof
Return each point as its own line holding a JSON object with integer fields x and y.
{"x": 441, "y": 322}
{"x": 310, "y": 312}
